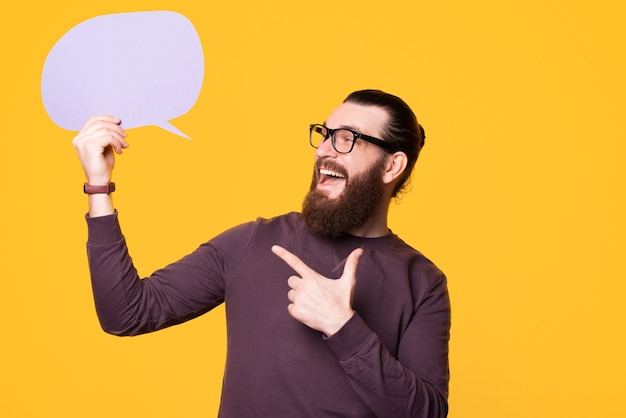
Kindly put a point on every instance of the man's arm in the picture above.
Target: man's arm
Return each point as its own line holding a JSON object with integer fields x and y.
{"x": 412, "y": 385}
{"x": 126, "y": 304}
{"x": 415, "y": 384}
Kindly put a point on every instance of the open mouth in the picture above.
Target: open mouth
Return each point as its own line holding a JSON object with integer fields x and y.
{"x": 327, "y": 175}
{"x": 331, "y": 181}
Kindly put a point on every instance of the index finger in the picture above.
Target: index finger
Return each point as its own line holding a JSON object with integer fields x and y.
{"x": 94, "y": 120}
{"x": 292, "y": 260}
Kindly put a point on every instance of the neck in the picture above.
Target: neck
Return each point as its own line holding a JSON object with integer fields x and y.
{"x": 375, "y": 226}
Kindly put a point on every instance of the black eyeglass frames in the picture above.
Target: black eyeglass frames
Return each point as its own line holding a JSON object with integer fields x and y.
{"x": 343, "y": 139}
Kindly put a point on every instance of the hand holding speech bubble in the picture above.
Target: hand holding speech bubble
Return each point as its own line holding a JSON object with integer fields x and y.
{"x": 144, "y": 67}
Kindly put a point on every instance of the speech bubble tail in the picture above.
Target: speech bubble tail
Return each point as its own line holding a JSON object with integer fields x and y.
{"x": 171, "y": 128}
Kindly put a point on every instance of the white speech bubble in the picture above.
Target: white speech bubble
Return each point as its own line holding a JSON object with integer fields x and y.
{"x": 144, "y": 67}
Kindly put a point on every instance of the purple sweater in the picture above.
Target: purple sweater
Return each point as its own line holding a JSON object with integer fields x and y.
{"x": 389, "y": 360}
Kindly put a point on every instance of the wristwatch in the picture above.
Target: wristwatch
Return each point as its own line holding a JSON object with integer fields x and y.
{"x": 108, "y": 189}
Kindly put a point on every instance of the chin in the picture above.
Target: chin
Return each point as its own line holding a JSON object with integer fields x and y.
{"x": 332, "y": 194}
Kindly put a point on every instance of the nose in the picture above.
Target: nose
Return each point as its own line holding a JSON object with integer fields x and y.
{"x": 325, "y": 149}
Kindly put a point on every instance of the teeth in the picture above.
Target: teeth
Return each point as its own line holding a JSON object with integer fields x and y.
{"x": 330, "y": 173}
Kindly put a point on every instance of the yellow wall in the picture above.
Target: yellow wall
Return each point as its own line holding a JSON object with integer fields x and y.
{"x": 518, "y": 195}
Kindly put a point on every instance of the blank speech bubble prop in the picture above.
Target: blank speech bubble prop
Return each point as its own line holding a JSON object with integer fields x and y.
{"x": 144, "y": 67}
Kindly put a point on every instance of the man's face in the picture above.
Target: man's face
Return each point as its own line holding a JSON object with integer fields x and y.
{"x": 346, "y": 188}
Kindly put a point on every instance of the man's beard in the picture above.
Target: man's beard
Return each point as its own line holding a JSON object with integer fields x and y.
{"x": 330, "y": 218}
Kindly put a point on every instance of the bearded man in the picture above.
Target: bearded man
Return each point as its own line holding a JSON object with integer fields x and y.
{"x": 344, "y": 319}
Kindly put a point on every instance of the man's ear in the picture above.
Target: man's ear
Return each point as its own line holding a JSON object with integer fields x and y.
{"x": 395, "y": 165}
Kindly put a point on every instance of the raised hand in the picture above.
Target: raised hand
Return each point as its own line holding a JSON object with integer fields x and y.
{"x": 95, "y": 143}
{"x": 319, "y": 302}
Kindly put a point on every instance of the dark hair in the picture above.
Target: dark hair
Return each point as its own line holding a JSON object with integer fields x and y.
{"x": 402, "y": 129}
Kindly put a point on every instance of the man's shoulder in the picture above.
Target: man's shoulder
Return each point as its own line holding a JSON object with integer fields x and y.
{"x": 260, "y": 230}
{"x": 406, "y": 253}
{"x": 288, "y": 223}
{"x": 290, "y": 219}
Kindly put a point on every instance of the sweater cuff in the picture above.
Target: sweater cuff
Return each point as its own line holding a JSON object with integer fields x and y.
{"x": 103, "y": 230}
{"x": 350, "y": 339}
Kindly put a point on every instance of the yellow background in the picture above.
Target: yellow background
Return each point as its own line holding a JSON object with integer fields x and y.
{"x": 518, "y": 195}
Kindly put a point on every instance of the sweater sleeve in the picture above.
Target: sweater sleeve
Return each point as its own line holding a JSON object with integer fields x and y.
{"x": 415, "y": 384}
{"x": 129, "y": 305}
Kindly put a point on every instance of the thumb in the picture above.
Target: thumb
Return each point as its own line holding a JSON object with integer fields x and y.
{"x": 352, "y": 262}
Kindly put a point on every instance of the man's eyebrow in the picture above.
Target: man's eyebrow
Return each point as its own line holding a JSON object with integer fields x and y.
{"x": 349, "y": 127}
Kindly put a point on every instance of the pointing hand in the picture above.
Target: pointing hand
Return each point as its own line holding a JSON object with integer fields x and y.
{"x": 319, "y": 302}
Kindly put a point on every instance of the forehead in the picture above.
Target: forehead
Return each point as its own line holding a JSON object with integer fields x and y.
{"x": 369, "y": 120}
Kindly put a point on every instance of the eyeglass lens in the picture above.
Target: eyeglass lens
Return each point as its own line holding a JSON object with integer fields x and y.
{"x": 342, "y": 139}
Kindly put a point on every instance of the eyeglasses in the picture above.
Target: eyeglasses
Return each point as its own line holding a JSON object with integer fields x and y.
{"x": 343, "y": 139}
